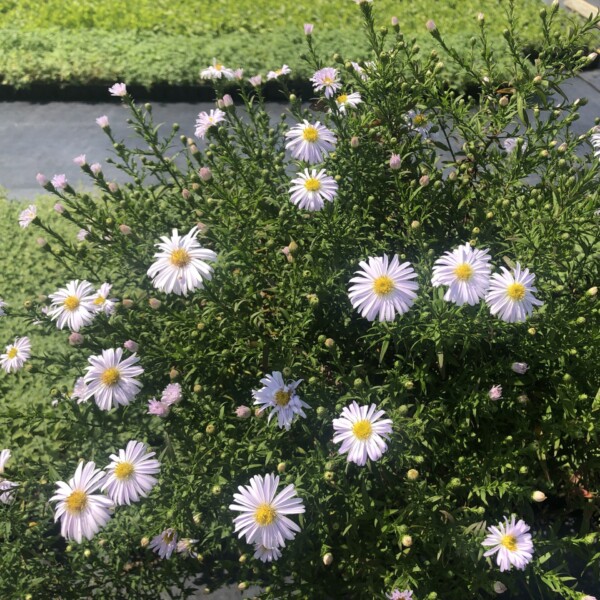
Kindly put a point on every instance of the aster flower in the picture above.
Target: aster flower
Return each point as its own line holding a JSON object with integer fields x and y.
{"x": 27, "y": 216}
{"x": 383, "y": 288}
{"x": 103, "y": 122}
{"x": 4, "y": 457}
{"x": 419, "y": 122}
{"x": 158, "y": 408}
{"x": 595, "y": 141}
{"x": 263, "y": 519}
{"x": 511, "y": 294}
{"x": 310, "y": 189}
{"x": 395, "y": 162}
{"x": 2, "y": 305}
{"x": 130, "y": 475}
{"x": 281, "y": 398}
{"x": 326, "y": 79}
{"x": 73, "y": 305}
{"x": 520, "y": 367}
{"x": 82, "y": 234}
{"x": 217, "y": 71}
{"x": 102, "y": 302}
{"x": 60, "y": 182}
{"x": 277, "y": 73}
{"x": 265, "y": 554}
{"x": 344, "y": 101}
{"x": 467, "y": 273}
{"x": 118, "y": 89}
{"x": 16, "y": 355}
{"x": 180, "y": 266}
{"x": 255, "y": 81}
{"x": 82, "y": 512}
{"x": 359, "y": 71}
{"x": 398, "y": 595}
{"x": 80, "y": 160}
{"x": 310, "y": 142}
{"x": 186, "y": 546}
{"x": 79, "y": 391}
{"x": 165, "y": 543}
{"x": 243, "y": 412}
{"x": 110, "y": 380}
{"x": 512, "y": 542}
{"x": 362, "y": 433}
{"x": 495, "y": 392}
{"x": 207, "y": 120}
{"x": 510, "y": 144}
{"x": 6, "y": 487}
{"x": 171, "y": 394}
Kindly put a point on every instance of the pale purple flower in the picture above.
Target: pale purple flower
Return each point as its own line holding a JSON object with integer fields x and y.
{"x": 103, "y": 122}
{"x": 80, "y": 160}
{"x": 359, "y": 71}
{"x": 82, "y": 234}
{"x": 326, "y": 79}
{"x": 520, "y": 367}
{"x": 79, "y": 391}
{"x": 41, "y": 179}
{"x": 308, "y": 28}
{"x": 238, "y": 74}
{"x": 256, "y": 80}
{"x": 27, "y": 216}
{"x": 277, "y": 73}
{"x": 59, "y": 208}
{"x": 395, "y": 22}
{"x": 395, "y": 161}
{"x": 171, "y": 394}
{"x": 398, "y": 595}
{"x": 96, "y": 168}
{"x": 431, "y": 26}
{"x": 118, "y": 89}
{"x": 207, "y": 120}
{"x": 310, "y": 141}
{"x": 158, "y": 408}
{"x": 60, "y": 182}
{"x": 225, "y": 102}
{"x": 512, "y": 542}
{"x": 217, "y": 71}
{"x": 495, "y": 392}
{"x": 185, "y": 546}
{"x": 165, "y": 543}
{"x": 131, "y": 346}
{"x": 510, "y": 144}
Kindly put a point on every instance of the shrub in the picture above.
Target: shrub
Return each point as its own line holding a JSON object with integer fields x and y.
{"x": 419, "y": 171}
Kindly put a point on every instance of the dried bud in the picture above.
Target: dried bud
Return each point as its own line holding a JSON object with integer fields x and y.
{"x": 354, "y": 142}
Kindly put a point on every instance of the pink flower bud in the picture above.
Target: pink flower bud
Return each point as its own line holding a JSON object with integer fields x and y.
{"x": 258, "y": 413}
{"x": 354, "y": 142}
{"x": 75, "y": 339}
{"x": 158, "y": 408}
{"x": 118, "y": 89}
{"x": 41, "y": 179}
{"x": 495, "y": 392}
{"x": 79, "y": 160}
{"x": 243, "y": 412}
{"x": 205, "y": 174}
{"x": 154, "y": 303}
{"x": 308, "y": 28}
{"x": 395, "y": 22}
{"x": 226, "y": 101}
{"x": 103, "y": 122}
{"x": 59, "y": 208}
{"x": 395, "y": 161}
{"x": 96, "y": 168}
{"x": 238, "y": 74}
{"x": 131, "y": 346}
{"x": 520, "y": 367}
{"x": 41, "y": 242}
{"x": 431, "y": 26}
{"x": 113, "y": 187}
{"x": 424, "y": 180}
{"x": 125, "y": 229}
{"x": 185, "y": 193}
{"x": 60, "y": 182}
{"x": 256, "y": 80}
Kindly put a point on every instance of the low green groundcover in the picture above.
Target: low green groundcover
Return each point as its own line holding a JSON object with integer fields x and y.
{"x": 168, "y": 42}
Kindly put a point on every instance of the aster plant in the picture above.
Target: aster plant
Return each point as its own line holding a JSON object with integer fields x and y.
{"x": 350, "y": 352}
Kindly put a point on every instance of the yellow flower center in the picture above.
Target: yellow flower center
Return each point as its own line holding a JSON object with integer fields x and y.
{"x": 168, "y": 537}
{"x": 383, "y": 285}
{"x": 282, "y": 398}
{"x": 99, "y": 301}
{"x": 310, "y": 134}
{"x": 419, "y": 120}
{"x": 509, "y": 542}
{"x": 124, "y": 470}
{"x": 516, "y": 291}
{"x": 111, "y": 376}
{"x": 180, "y": 258}
{"x": 327, "y": 81}
{"x": 265, "y": 514}
{"x": 312, "y": 185}
{"x": 278, "y": 72}
{"x": 464, "y": 272}
{"x": 77, "y": 502}
{"x": 343, "y": 98}
{"x": 12, "y": 353}
{"x": 71, "y": 303}
{"x": 362, "y": 429}
{"x": 218, "y": 66}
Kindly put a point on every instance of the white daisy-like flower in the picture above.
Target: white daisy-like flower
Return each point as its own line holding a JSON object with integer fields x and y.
{"x": 73, "y": 305}
{"x": 362, "y": 432}
{"x": 512, "y": 542}
{"x": 595, "y": 141}
{"x": 79, "y": 390}
{"x": 419, "y": 122}
{"x": 310, "y": 141}
{"x": 4, "y": 456}
{"x": 27, "y": 216}
{"x": 165, "y": 543}
{"x": 326, "y": 79}
{"x": 16, "y": 354}
{"x": 281, "y": 398}
{"x": 6, "y": 487}
{"x": 467, "y": 273}
{"x": 110, "y": 380}
{"x": 311, "y": 189}
{"x": 266, "y": 554}
{"x": 277, "y": 73}
{"x": 217, "y": 71}
{"x": 510, "y": 144}
{"x": 2, "y": 306}
{"x": 130, "y": 475}
{"x": 383, "y": 288}
{"x": 511, "y": 294}
{"x": 207, "y": 120}
{"x": 263, "y": 519}
{"x": 181, "y": 264}
{"x": 102, "y": 302}
{"x": 344, "y": 101}
{"x": 81, "y": 511}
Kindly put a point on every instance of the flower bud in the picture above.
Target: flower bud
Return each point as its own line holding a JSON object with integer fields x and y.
{"x": 103, "y": 122}
{"x": 395, "y": 22}
{"x": 75, "y": 339}
{"x": 185, "y": 193}
{"x": 592, "y": 291}
{"x": 329, "y": 343}
{"x": 131, "y": 346}
{"x": 242, "y": 586}
{"x": 354, "y": 142}
{"x": 113, "y": 187}
{"x": 415, "y": 225}
{"x": 243, "y": 558}
{"x": 281, "y": 467}
{"x": 412, "y": 475}
{"x": 520, "y": 367}
{"x": 538, "y": 496}
{"x": 407, "y": 541}
{"x": 127, "y": 303}
{"x": 87, "y": 552}
{"x": 154, "y": 303}
{"x": 215, "y": 490}
{"x": 431, "y": 26}
{"x": 327, "y": 559}
{"x": 308, "y": 28}
{"x": 59, "y": 208}
{"x": 499, "y": 587}
{"x": 205, "y": 174}
{"x": 144, "y": 542}
{"x": 424, "y": 180}
{"x": 41, "y": 242}
{"x": 197, "y": 518}
{"x": 41, "y": 179}
{"x": 292, "y": 247}
{"x": 125, "y": 229}
{"x": 504, "y": 101}
{"x": 395, "y": 162}
{"x": 243, "y": 412}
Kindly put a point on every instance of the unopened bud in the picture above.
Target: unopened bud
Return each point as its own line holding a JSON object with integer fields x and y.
{"x": 354, "y": 142}
{"x": 412, "y": 475}
{"x": 75, "y": 339}
{"x": 407, "y": 541}
{"x": 395, "y": 162}
{"x": 127, "y": 303}
{"x": 144, "y": 542}
{"x": 538, "y": 496}
{"x": 329, "y": 343}
{"x": 327, "y": 559}
{"x": 415, "y": 225}
{"x": 504, "y": 101}
{"x": 431, "y": 26}
{"x": 243, "y": 412}
{"x": 205, "y": 174}
{"x": 154, "y": 303}
{"x": 125, "y": 229}
{"x": 424, "y": 180}
{"x": 185, "y": 194}
{"x": 592, "y": 291}
{"x": 281, "y": 467}
{"x": 499, "y": 587}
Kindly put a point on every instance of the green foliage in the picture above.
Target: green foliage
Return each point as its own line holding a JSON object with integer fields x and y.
{"x": 471, "y": 460}
{"x": 150, "y": 43}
